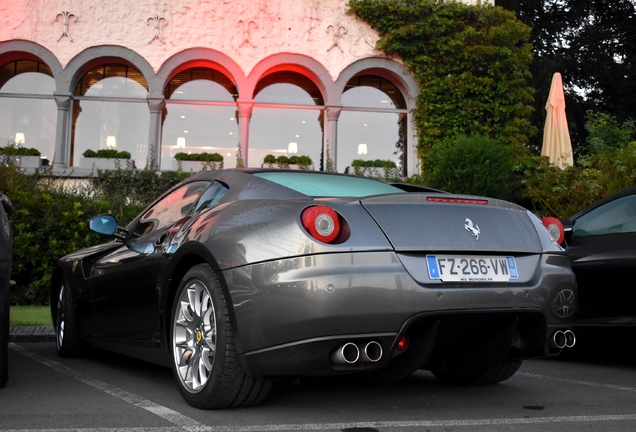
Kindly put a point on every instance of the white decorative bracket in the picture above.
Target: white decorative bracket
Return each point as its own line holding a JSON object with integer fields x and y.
{"x": 66, "y": 15}
{"x": 336, "y": 35}
{"x": 157, "y": 19}
{"x": 246, "y": 32}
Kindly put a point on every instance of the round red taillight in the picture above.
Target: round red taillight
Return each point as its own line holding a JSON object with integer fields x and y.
{"x": 403, "y": 343}
{"x": 321, "y": 222}
{"x": 555, "y": 228}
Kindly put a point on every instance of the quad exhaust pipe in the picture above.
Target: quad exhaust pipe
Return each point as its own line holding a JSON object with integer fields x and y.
{"x": 350, "y": 353}
{"x": 563, "y": 339}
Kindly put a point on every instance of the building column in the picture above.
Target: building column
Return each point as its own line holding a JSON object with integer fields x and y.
{"x": 245, "y": 107}
{"x": 331, "y": 138}
{"x": 156, "y": 106}
{"x": 62, "y": 132}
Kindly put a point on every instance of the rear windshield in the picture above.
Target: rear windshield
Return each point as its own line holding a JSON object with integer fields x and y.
{"x": 319, "y": 185}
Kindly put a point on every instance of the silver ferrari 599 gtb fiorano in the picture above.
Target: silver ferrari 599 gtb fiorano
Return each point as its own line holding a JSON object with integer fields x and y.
{"x": 235, "y": 278}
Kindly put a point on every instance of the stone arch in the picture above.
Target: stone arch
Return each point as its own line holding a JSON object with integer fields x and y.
{"x": 393, "y": 71}
{"x": 304, "y": 65}
{"x": 95, "y": 56}
{"x": 25, "y": 50}
{"x": 198, "y": 57}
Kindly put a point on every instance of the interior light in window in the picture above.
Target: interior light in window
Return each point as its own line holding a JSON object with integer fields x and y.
{"x": 19, "y": 138}
{"x": 362, "y": 149}
{"x": 292, "y": 147}
{"x": 111, "y": 141}
{"x": 181, "y": 142}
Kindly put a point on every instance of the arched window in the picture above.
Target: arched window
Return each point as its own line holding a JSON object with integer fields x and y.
{"x": 200, "y": 116}
{"x": 287, "y": 119}
{"x": 372, "y": 124}
{"x": 28, "y": 113}
{"x": 111, "y": 112}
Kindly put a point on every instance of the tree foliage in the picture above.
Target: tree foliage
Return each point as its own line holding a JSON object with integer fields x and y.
{"x": 470, "y": 61}
{"x": 592, "y": 43}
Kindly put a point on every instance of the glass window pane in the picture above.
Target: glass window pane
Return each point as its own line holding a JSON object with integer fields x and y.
{"x": 120, "y": 83}
{"x": 615, "y": 216}
{"x": 273, "y": 129}
{"x": 317, "y": 185}
{"x": 199, "y": 129}
{"x": 34, "y": 118}
{"x": 372, "y": 92}
{"x": 127, "y": 122}
{"x": 201, "y": 84}
{"x": 285, "y": 94}
{"x": 377, "y": 134}
{"x": 288, "y": 88}
{"x": 30, "y": 83}
{"x": 117, "y": 87}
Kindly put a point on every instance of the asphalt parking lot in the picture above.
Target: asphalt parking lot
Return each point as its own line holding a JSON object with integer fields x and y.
{"x": 106, "y": 392}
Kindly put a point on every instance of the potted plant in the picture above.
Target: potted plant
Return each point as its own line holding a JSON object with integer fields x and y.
{"x": 294, "y": 162}
{"x": 198, "y": 161}
{"x": 109, "y": 159}
{"x": 379, "y": 168}
{"x": 22, "y": 156}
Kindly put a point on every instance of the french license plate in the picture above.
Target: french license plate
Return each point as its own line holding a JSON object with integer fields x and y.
{"x": 471, "y": 268}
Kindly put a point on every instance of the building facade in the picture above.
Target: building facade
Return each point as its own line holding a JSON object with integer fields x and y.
{"x": 242, "y": 78}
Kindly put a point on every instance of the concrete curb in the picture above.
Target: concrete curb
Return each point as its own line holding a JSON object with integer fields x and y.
{"x": 31, "y": 334}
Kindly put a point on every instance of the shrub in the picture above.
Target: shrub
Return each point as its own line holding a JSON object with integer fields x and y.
{"x": 605, "y": 133}
{"x": 50, "y": 219}
{"x": 549, "y": 190}
{"x": 472, "y": 165}
{"x": 378, "y": 163}
{"x": 202, "y": 157}
{"x": 106, "y": 154}
{"x": 284, "y": 161}
{"x": 13, "y": 149}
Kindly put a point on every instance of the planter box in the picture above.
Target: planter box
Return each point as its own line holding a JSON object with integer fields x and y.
{"x": 196, "y": 166}
{"x": 106, "y": 163}
{"x": 291, "y": 167}
{"x": 27, "y": 161}
{"x": 377, "y": 172}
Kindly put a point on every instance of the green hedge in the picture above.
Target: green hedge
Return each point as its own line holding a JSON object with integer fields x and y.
{"x": 13, "y": 149}
{"x": 50, "y": 218}
{"x": 284, "y": 160}
{"x": 106, "y": 154}
{"x": 377, "y": 163}
{"x": 202, "y": 157}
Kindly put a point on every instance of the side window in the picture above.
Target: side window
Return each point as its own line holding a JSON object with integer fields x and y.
{"x": 211, "y": 196}
{"x": 616, "y": 216}
{"x": 173, "y": 207}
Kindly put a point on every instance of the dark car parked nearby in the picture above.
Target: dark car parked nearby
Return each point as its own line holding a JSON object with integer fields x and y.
{"x": 601, "y": 241}
{"x": 6, "y": 249}
{"x": 237, "y": 277}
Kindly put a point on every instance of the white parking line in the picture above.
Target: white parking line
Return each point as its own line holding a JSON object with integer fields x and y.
{"x": 571, "y": 381}
{"x": 185, "y": 423}
{"x": 172, "y": 416}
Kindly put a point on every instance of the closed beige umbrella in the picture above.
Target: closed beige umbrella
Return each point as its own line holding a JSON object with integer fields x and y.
{"x": 556, "y": 137}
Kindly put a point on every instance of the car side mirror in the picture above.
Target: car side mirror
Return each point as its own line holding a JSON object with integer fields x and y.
{"x": 7, "y": 205}
{"x": 106, "y": 224}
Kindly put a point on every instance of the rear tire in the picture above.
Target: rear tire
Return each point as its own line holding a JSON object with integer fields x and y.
{"x": 205, "y": 362}
{"x": 495, "y": 374}
{"x": 66, "y": 334}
